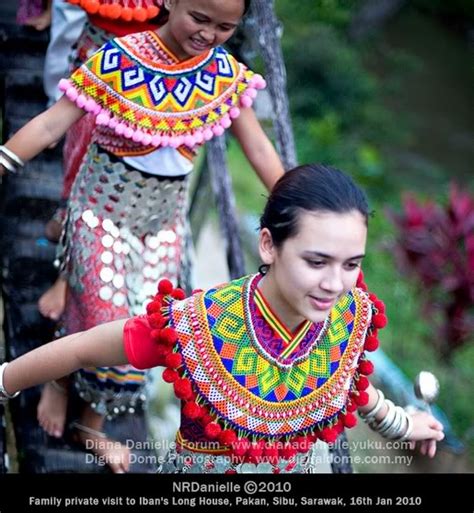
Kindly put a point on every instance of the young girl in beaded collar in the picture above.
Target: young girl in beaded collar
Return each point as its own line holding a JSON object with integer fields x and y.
{"x": 267, "y": 364}
{"x": 156, "y": 96}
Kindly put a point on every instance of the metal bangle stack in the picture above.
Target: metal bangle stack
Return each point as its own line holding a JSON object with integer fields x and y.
{"x": 4, "y": 395}
{"x": 10, "y": 161}
{"x": 397, "y": 424}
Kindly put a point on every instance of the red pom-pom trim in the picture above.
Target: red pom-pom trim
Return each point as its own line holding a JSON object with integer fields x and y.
{"x": 371, "y": 343}
{"x": 362, "y": 398}
{"x": 212, "y": 430}
{"x": 170, "y": 376}
{"x": 156, "y": 320}
{"x": 207, "y": 419}
{"x": 168, "y": 336}
{"x": 349, "y": 420}
{"x": 192, "y": 410}
{"x": 182, "y": 388}
{"x": 362, "y": 383}
{"x": 240, "y": 447}
{"x": 165, "y": 287}
{"x": 153, "y": 307}
{"x": 178, "y": 294}
{"x": 351, "y": 406}
{"x": 380, "y": 306}
{"x": 379, "y": 321}
{"x": 288, "y": 451}
{"x": 366, "y": 367}
{"x": 329, "y": 435}
{"x": 227, "y": 437}
{"x": 173, "y": 360}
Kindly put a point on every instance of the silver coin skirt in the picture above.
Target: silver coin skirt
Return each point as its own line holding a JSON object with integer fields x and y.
{"x": 184, "y": 461}
{"x": 124, "y": 231}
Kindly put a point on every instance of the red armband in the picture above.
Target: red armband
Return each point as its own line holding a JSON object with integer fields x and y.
{"x": 140, "y": 348}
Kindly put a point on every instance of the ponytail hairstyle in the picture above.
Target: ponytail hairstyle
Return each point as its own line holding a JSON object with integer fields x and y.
{"x": 310, "y": 188}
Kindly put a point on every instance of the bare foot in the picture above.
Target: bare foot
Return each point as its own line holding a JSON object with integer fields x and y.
{"x": 52, "y": 303}
{"x": 108, "y": 452}
{"x": 52, "y": 408}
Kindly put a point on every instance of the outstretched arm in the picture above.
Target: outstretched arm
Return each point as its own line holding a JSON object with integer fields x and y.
{"x": 43, "y": 130}
{"x": 257, "y": 147}
{"x": 101, "y": 346}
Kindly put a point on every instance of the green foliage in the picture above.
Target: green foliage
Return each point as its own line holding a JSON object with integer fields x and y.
{"x": 326, "y": 75}
{"x": 330, "y": 12}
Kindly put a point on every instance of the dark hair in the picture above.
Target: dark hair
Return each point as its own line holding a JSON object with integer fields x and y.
{"x": 162, "y": 17}
{"x": 312, "y": 187}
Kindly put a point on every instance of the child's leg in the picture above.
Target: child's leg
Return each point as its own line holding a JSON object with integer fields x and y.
{"x": 52, "y": 408}
{"x": 52, "y": 303}
{"x": 89, "y": 430}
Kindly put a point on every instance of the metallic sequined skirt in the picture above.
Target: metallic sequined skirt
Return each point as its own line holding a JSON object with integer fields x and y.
{"x": 123, "y": 232}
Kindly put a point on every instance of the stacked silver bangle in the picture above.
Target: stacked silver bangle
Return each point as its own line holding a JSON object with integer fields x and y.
{"x": 10, "y": 161}
{"x": 397, "y": 424}
{"x": 4, "y": 395}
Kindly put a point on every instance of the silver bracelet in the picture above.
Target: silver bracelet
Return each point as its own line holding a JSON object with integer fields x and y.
{"x": 7, "y": 164}
{"x": 409, "y": 429}
{"x": 370, "y": 415}
{"x": 387, "y": 420}
{"x": 3, "y": 393}
{"x": 12, "y": 156}
{"x": 396, "y": 429}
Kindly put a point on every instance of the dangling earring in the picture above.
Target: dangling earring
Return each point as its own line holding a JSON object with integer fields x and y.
{"x": 263, "y": 269}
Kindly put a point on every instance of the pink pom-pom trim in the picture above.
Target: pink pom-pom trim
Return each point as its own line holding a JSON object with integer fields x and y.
{"x": 234, "y": 112}
{"x": 165, "y": 140}
{"x": 64, "y": 84}
{"x": 217, "y": 130}
{"x": 146, "y": 141}
{"x": 251, "y": 92}
{"x": 72, "y": 94}
{"x": 226, "y": 121}
{"x": 102, "y": 119}
{"x": 128, "y": 132}
{"x": 208, "y": 135}
{"x": 90, "y": 105}
{"x": 137, "y": 136}
{"x": 120, "y": 129}
{"x": 190, "y": 141}
{"x": 258, "y": 82}
{"x": 156, "y": 140}
{"x": 113, "y": 122}
{"x": 199, "y": 137}
{"x": 81, "y": 101}
{"x": 246, "y": 101}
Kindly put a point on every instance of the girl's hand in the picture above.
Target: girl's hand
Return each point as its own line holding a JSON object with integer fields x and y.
{"x": 426, "y": 430}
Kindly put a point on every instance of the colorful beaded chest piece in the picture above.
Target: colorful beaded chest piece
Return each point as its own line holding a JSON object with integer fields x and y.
{"x": 259, "y": 391}
{"x": 136, "y": 95}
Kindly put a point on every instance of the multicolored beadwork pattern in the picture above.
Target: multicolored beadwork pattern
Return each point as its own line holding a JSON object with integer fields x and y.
{"x": 271, "y": 337}
{"x": 175, "y": 99}
{"x": 246, "y": 389}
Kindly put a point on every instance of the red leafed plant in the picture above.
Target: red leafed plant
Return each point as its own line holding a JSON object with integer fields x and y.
{"x": 436, "y": 245}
